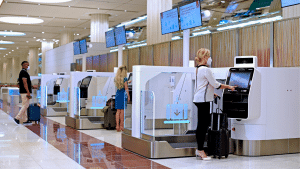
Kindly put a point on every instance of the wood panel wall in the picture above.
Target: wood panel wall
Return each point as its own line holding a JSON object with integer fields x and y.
{"x": 112, "y": 61}
{"x": 146, "y": 55}
{"x": 162, "y": 54}
{"x": 176, "y": 58}
{"x": 286, "y": 43}
{"x": 199, "y": 42}
{"x": 96, "y": 63}
{"x": 103, "y": 63}
{"x": 78, "y": 64}
{"x": 89, "y": 63}
{"x": 255, "y": 41}
{"x": 224, "y": 48}
{"x": 133, "y": 58}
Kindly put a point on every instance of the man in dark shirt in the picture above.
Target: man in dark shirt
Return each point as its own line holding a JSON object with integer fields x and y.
{"x": 25, "y": 91}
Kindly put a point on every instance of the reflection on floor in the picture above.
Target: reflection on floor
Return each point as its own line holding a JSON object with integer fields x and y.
{"x": 87, "y": 151}
{"x": 66, "y": 148}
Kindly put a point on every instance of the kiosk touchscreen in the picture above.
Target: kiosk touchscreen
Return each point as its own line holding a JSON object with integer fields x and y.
{"x": 235, "y": 103}
{"x": 84, "y": 87}
{"x": 57, "y": 86}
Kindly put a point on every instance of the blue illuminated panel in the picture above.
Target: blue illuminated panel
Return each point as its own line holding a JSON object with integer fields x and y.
{"x": 190, "y": 15}
{"x": 83, "y": 48}
{"x": 110, "y": 39}
{"x": 285, "y": 3}
{"x": 169, "y": 21}
{"x": 76, "y": 48}
{"x": 120, "y": 35}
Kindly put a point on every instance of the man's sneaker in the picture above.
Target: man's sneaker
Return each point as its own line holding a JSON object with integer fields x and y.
{"x": 17, "y": 121}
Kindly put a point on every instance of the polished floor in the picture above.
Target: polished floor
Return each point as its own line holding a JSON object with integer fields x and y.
{"x": 53, "y": 145}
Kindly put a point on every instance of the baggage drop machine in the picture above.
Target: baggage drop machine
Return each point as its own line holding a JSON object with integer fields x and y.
{"x": 89, "y": 92}
{"x": 54, "y": 95}
{"x": 264, "y": 108}
{"x": 163, "y": 113}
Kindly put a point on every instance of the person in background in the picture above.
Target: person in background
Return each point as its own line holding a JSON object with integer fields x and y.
{"x": 25, "y": 92}
{"x": 121, "y": 83}
{"x": 204, "y": 94}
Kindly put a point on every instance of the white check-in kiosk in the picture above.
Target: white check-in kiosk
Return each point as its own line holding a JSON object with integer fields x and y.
{"x": 264, "y": 108}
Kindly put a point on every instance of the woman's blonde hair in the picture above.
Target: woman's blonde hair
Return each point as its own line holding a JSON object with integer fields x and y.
{"x": 121, "y": 74}
{"x": 201, "y": 53}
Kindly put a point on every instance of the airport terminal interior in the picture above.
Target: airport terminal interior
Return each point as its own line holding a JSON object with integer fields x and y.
{"x": 75, "y": 48}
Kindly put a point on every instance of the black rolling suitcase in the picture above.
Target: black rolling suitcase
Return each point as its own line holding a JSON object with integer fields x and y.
{"x": 33, "y": 113}
{"x": 218, "y": 134}
{"x": 110, "y": 115}
{"x": 110, "y": 119}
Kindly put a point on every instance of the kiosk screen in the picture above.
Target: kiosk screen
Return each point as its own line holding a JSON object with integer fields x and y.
{"x": 240, "y": 79}
{"x": 86, "y": 81}
{"x": 59, "y": 81}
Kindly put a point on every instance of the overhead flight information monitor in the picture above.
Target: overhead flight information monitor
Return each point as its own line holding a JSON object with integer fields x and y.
{"x": 285, "y": 3}
{"x": 169, "y": 21}
{"x": 240, "y": 79}
{"x": 83, "y": 48}
{"x": 110, "y": 39}
{"x": 120, "y": 35}
{"x": 76, "y": 48}
{"x": 190, "y": 15}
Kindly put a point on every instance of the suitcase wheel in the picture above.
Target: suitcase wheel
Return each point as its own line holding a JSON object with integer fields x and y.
{"x": 226, "y": 156}
{"x": 220, "y": 157}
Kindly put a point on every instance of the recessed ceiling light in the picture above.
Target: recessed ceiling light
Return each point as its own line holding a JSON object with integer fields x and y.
{"x": 6, "y": 42}
{"x": 5, "y": 33}
{"x": 43, "y": 32}
{"x": 2, "y": 48}
{"x": 44, "y": 39}
{"x": 27, "y": 41}
{"x": 21, "y": 20}
{"x": 9, "y": 52}
{"x": 12, "y": 50}
{"x": 6, "y": 54}
{"x": 48, "y": 1}
{"x": 34, "y": 37}
{"x": 77, "y": 34}
{"x": 17, "y": 47}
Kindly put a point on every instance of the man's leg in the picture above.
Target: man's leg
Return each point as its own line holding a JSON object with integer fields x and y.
{"x": 22, "y": 115}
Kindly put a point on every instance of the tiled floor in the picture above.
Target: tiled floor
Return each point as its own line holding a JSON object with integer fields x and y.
{"x": 56, "y": 146}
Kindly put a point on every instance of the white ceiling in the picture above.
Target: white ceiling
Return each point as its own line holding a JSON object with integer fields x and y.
{"x": 75, "y": 18}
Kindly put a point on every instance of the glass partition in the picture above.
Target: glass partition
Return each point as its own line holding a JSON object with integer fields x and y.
{"x": 166, "y": 105}
{"x": 127, "y": 113}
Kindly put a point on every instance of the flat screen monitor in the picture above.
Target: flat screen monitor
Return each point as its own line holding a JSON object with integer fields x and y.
{"x": 190, "y": 15}
{"x": 110, "y": 39}
{"x": 58, "y": 81}
{"x": 240, "y": 79}
{"x": 286, "y": 3}
{"x": 83, "y": 48}
{"x": 120, "y": 35}
{"x": 169, "y": 21}
{"x": 76, "y": 48}
{"x": 86, "y": 81}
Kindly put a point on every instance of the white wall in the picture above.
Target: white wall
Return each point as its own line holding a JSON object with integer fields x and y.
{"x": 59, "y": 59}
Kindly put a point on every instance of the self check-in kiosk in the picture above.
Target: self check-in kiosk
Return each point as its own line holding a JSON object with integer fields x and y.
{"x": 54, "y": 95}
{"x": 84, "y": 86}
{"x": 264, "y": 109}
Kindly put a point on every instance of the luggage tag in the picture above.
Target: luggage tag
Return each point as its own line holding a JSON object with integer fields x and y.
{"x": 99, "y": 101}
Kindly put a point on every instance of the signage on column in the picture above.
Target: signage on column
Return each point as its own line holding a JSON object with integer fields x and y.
{"x": 169, "y": 21}
{"x": 190, "y": 15}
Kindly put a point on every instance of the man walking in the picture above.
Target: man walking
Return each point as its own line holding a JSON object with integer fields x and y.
{"x": 25, "y": 91}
